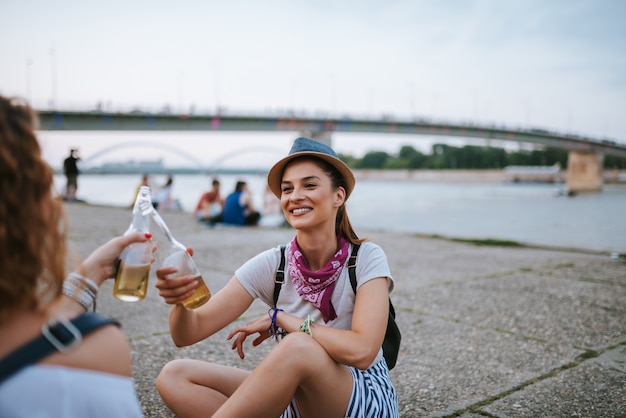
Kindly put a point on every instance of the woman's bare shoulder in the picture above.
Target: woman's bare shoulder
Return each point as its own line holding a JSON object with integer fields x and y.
{"x": 105, "y": 350}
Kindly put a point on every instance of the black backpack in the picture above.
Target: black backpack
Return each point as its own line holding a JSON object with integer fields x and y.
{"x": 391, "y": 343}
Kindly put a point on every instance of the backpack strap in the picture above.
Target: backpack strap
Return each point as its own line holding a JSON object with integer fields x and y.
{"x": 279, "y": 277}
{"x": 391, "y": 343}
{"x": 352, "y": 266}
{"x": 58, "y": 334}
{"x": 352, "y": 273}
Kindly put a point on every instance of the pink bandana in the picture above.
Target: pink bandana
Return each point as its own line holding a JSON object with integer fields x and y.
{"x": 317, "y": 286}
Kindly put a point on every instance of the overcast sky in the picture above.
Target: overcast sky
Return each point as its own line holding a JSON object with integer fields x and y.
{"x": 551, "y": 64}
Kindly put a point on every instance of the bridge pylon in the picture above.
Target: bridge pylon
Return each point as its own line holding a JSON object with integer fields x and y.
{"x": 584, "y": 171}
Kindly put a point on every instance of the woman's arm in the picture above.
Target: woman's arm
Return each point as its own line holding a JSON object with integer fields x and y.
{"x": 187, "y": 327}
{"x": 98, "y": 266}
{"x": 107, "y": 349}
{"x": 358, "y": 346}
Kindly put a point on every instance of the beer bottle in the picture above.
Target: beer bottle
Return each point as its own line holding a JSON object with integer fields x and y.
{"x": 177, "y": 256}
{"x": 131, "y": 279}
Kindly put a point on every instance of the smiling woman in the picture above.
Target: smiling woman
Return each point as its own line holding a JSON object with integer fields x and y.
{"x": 329, "y": 334}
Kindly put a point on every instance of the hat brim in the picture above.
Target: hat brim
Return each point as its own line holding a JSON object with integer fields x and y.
{"x": 274, "y": 177}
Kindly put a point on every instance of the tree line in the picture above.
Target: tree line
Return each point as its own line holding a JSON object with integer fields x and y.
{"x": 445, "y": 156}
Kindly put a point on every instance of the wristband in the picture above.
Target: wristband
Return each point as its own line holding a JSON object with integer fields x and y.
{"x": 306, "y": 326}
{"x": 274, "y": 330}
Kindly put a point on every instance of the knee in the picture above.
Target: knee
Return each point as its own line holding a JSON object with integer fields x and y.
{"x": 169, "y": 378}
{"x": 309, "y": 351}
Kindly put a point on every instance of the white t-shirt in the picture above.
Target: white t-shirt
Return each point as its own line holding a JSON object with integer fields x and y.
{"x": 257, "y": 277}
{"x": 45, "y": 391}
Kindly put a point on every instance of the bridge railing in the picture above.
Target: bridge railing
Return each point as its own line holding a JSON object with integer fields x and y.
{"x": 330, "y": 121}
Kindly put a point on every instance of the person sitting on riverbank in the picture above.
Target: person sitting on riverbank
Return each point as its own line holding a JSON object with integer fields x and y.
{"x": 328, "y": 359}
{"x": 145, "y": 181}
{"x": 41, "y": 311}
{"x": 162, "y": 198}
{"x": 210, "y": 204}
{"x": 238, "y": 208}
{"x": 272, "y": 215}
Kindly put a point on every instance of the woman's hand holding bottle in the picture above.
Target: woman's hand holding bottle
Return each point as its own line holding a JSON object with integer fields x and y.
{"x": 179, "y": 257}
{"x": 173, "y": 286}
{"x": 101, "y": 264}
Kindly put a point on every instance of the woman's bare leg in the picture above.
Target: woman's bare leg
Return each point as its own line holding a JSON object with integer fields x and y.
{"x": 193, "y": 388}
{"x": 297, "y": 367}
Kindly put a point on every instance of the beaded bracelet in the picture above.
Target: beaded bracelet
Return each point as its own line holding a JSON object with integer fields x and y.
{"x": 306, "y": 326}
{"x": 274, "y": 330}
{"x": 81, "y": 289}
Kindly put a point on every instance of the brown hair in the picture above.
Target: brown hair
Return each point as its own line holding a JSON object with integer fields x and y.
{"x": 343, "y": 227}
{"x": 32, "y": 224}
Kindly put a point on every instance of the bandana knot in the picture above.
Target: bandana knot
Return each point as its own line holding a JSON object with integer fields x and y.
{"x": 317, "y": 287}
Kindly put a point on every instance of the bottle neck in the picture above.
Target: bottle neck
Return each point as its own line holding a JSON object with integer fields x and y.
{"x": 174, "y": 244}
{"x": 138, "y": 223}
{"x": 141, "y": 209}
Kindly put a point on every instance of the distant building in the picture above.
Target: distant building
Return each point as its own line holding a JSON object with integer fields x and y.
{"x": 534, "y": 174}
{"x": 130, "y": 166}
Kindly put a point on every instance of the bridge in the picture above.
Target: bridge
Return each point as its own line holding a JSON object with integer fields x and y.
{"x": 585, "y": 161}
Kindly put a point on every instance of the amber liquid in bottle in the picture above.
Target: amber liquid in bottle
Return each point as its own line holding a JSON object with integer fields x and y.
{"x": 131, "y": 282}
{"x": 133, "y": 271}
{"x": 199, "y": 297}
{"x": 180, "y": 259}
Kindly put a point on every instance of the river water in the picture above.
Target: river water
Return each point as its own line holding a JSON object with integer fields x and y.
{"x": 529, "y": 213}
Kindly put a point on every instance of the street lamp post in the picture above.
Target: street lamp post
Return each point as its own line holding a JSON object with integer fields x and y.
{"x": 53, "y": 100}
{"x": 29, "y": 96}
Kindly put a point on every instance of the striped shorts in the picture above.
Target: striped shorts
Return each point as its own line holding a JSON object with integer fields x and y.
{"x": 373, "y": 395}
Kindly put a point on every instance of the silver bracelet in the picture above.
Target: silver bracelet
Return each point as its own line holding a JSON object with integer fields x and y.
{"x": 81, "y": 289}
{"x": 85, "y": 280}
{"x": 80, "y": 286}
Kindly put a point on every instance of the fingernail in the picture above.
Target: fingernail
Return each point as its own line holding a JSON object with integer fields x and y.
{"x": 148, "y": 235}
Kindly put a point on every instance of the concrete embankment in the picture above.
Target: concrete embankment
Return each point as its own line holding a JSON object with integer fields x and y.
{"x": 487, "y": 331}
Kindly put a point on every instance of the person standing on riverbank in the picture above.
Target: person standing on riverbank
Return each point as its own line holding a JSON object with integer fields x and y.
{"x": 328, "y": 360}
{"x": 70, "y": 169}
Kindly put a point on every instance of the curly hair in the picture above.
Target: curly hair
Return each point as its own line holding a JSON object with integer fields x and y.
{"x": 32, "y": 223}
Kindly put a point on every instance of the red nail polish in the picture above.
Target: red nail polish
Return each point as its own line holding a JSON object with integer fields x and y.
{"x": 148, "y": 235}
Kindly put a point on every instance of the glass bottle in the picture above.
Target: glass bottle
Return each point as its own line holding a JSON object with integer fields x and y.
{"x": 177, "y": 256}
{"x": 133, "y": 271}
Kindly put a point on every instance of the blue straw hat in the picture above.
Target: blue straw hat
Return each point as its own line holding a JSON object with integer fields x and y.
{"x": 310, "y": 147}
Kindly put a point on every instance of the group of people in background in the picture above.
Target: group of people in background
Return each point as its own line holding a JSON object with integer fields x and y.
{"x": 161, "y": 196}
{"x": 237, "y": 208}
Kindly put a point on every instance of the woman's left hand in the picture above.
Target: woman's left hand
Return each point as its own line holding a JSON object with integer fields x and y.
{"x": 260, "y": 326}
